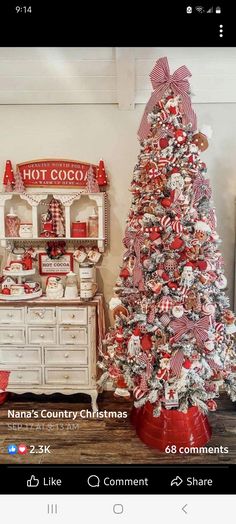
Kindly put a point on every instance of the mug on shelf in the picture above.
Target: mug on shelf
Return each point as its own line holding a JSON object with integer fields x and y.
{"x": 25, "y": 230}
{"x": 31, "y": 287}
{"x": 87, "y": 289}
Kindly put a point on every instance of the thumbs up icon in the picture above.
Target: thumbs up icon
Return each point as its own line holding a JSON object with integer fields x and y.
{"x": 32, "y": 482}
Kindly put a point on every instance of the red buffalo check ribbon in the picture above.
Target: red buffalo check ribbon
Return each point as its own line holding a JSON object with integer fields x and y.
{"x": 133, "y": 240}
{"x": 161, "y": 81}
{"x": 199, "y": 328}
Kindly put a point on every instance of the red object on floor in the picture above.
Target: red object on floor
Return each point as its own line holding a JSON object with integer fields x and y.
{"x": 4, "y": 378}
{"x": 171, "y": 428}
{"x": 3, "y": 398}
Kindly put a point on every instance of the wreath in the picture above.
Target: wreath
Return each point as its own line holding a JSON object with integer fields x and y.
{"x": 56, "y": 249}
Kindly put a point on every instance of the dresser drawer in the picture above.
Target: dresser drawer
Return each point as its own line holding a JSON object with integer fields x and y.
{"x": 66, "y": 376}
{"x": 72, "y": 315}
{"x": 25, "y": 376}
{"x": 40, "y": 315}
{"x": 12, "y": 335}
{"x": 19, "y": 355}
{"x": 42, "y": 335}
{"x": 66, "y": 356}
{"x": 76, "y": 335}
{"x": 8, "y": 315}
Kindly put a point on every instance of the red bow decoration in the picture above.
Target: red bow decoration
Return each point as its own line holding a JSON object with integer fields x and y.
{"x": 183, "y": 325}
{"x": 161, "y": 81}
{"x": 133, "y": 241}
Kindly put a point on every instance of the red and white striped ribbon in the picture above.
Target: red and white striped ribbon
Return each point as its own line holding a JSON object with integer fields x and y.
{"x": 176, "y": 362}
{"x": 183, "y": 325}
{"x": 165, "y": 222}
{"x": 143, "y": 360}
{"x": 161, "y": 81}
{"x": 213, "y": 365}
{"x": 176, "y": 225}
{"x": 219, "y": 334}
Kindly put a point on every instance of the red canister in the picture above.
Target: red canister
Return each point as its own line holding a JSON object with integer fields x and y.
{"x": 79, "y": 229}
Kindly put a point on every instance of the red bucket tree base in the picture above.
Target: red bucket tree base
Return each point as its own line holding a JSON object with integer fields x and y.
{"x": 3, "y": 397}
{"x": 171, "y": 428}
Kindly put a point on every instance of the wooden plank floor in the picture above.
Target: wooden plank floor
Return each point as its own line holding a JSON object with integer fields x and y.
{"x": 101, "y": 441}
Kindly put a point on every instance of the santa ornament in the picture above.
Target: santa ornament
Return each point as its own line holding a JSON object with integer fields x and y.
{"x": 54, "y": 288}
{"x": 134, "y": 343}
{"x": 202, "y": 230}
{"x": 187, "y": 277}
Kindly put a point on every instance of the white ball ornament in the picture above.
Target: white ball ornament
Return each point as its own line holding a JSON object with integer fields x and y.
{"x": 221, "y": 282}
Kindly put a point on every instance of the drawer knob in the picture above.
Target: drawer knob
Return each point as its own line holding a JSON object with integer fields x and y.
{"x": 40, "y": 313}
{"x": 10, "y": 335}
{"x": 19, "y": 376}
{"x": 66, "y": 355}
{"x": 73, "y": 336}
{"x": 42, "y": 335}
{"x": 19, "y": 355}
{"x": 10, "y": 315}
{"x": 73, "y": 316}
{"x": 66, "y": 376}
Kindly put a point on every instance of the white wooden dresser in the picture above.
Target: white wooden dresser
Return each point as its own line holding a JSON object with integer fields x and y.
{"x": 51, "y": 346}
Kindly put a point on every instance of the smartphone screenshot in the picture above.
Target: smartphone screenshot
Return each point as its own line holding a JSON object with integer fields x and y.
{"x": 117, "y": 264}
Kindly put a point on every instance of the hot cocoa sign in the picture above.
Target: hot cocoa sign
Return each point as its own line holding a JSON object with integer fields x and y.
{"x": 54, "y": 172}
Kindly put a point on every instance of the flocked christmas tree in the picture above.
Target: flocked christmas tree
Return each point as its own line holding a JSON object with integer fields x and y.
{"x": 19, "y": 184}
{"x": 173, "y": 339}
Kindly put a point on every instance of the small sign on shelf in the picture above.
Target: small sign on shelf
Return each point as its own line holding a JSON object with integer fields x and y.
{"x": 56, "y": 266}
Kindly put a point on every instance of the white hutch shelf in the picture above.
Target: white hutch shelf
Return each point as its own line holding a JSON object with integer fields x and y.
{"x": 28, "y": 206}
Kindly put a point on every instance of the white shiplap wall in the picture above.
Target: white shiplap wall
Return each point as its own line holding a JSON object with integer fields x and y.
{"x": 57, "y": 75}
{"x": 106, "y": 75}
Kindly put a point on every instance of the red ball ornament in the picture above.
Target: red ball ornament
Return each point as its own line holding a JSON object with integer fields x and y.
{"x": 202, "y": 265}
{"x": 146, "y": 342}
{"x": 180, "y": 136}
{"x": 165, "y": 276}
{"x": 124, "y": 273}
{"x": 172, "y": 285}
{"x": 187, "y": 364}
{"x": 164, "y": 142}
{"x": 166, "y": 202}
